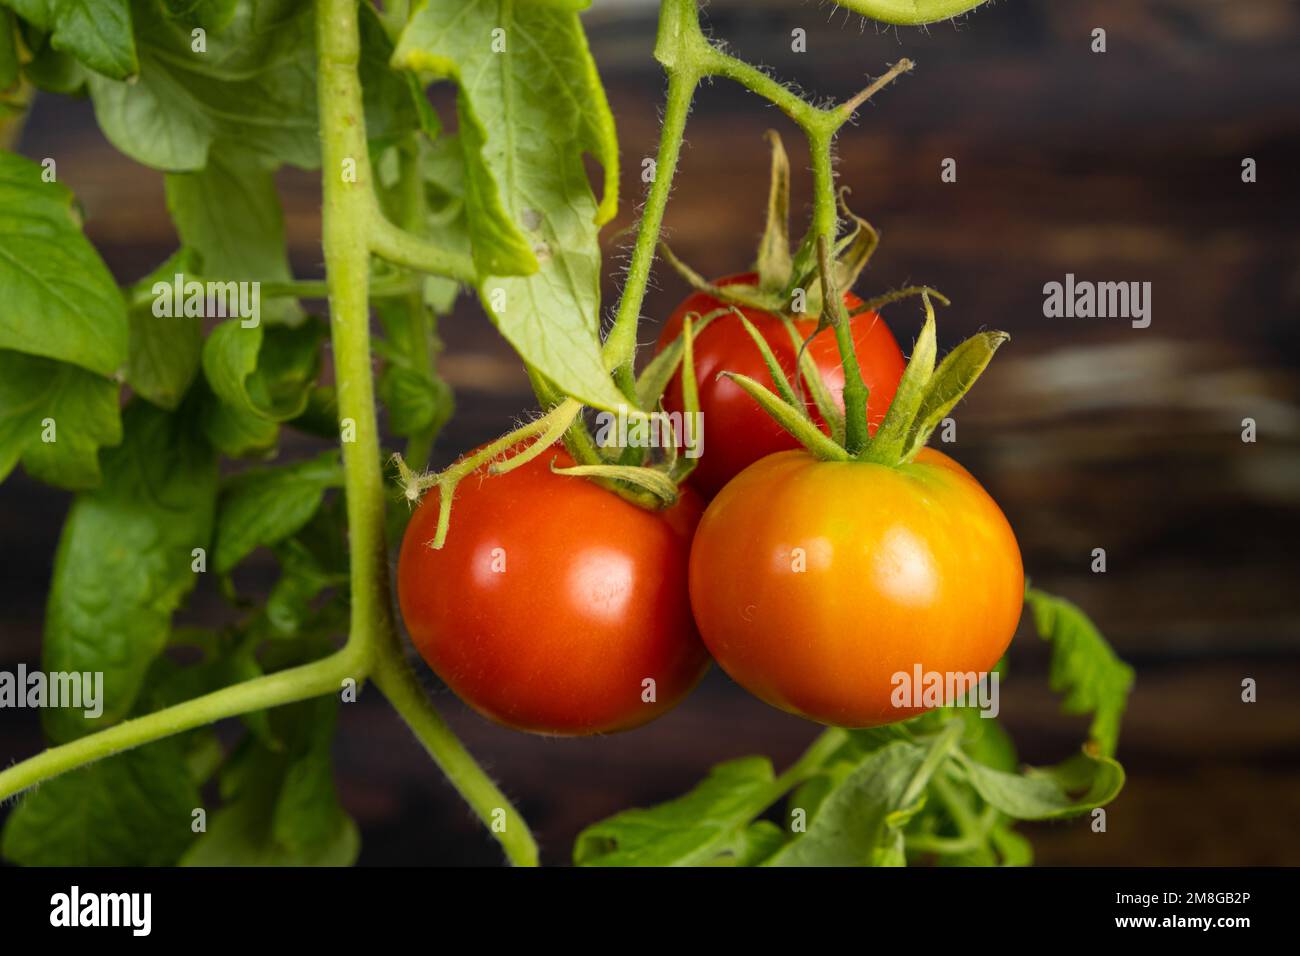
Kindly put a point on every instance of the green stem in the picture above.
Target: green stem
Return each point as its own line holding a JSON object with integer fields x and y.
{"x": 826, "y": 227}
{"x": 394, "y": 677}
{"x": 827, "y": 742}
{"x": 346, "y": 216}
{"x": 414, "y": 211}
{"x": 683, "y": 77}
{"x": 273, "y": 690}
{"x": 141, "y": 297}
{"x": 963, "y": 816}
{"x": 405, "y": 248}
{"x": 351, "y": 224}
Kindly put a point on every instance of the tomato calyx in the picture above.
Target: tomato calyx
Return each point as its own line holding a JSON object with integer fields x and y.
{"x": 785, "y": 280}
{"x": 653, "y": 487}
{"x": 809, "y": 282}
{"x": 926, "y": 394}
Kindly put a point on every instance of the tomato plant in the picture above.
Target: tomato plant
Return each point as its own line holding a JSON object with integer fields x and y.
{"x": 160, "y": 401}
{"x": 814, "y": 603}
{"x": 554, "y": 606}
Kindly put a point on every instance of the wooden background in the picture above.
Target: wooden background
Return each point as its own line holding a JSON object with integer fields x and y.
{"x": 1122, "y": 166}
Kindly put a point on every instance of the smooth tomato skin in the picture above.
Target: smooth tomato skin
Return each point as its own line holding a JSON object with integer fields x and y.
{"x": 591, "y": 601}
{"x": 737, "y": 432}
{"x": 903, "y": 566}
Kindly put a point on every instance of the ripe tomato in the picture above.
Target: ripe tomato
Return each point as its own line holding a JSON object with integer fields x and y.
{"x": 553, "y": 600}
{"x": 814, "y": 583}
{"x": 737, "y": 432}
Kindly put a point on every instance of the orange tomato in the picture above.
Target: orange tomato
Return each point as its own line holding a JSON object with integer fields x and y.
{"x": 815, "y": 583}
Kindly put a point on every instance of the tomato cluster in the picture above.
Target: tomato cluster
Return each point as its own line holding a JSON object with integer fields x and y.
{"x": 557, "y": 607}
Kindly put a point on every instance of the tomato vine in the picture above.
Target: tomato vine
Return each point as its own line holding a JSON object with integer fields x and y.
{"x": 375, "y": 254}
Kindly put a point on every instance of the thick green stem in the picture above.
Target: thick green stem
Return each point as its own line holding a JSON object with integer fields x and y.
{"x": 352, "y": 222}
{"x": 415, "y": 252}
{"x": 346, "y": 218}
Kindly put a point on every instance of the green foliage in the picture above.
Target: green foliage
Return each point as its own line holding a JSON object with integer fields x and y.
{"x": 267, "y": 505}
{"x": 36, "y": 395}
{"x": 220, "y": 95}
{"x": 260, "y": 376}
{"x": 941, "y": 788}
{"x": 280, "y": 805}
{"x": 229, "y": 215}
{"x": 1084, "y": 669}
{"x": 60, "y": 300}
{"x": 125, "y": 559}
{"x": 254, "y": 85}
{"x": 131, "y": 809}
{"x": 529, "y": 105}
{"x": 164, "y": 355}
{"x": 96, "y": 32}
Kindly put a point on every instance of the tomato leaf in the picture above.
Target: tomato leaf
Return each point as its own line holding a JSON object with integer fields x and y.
{"x": 229, "y": 214}
{"x": 419, "y": 402}
{"x": 266, "y": 505}
{"x": 282, "y": 809}
{"x": 52, "y": 71}
{"x": 212, "y": 15}
{"x": 255, "y": 85}
{"x": 692, "y": 829}
{"x": 857, "y": 822}
{"x": 96, "y": 32}
{"x": 262, "y": 375}
{"x": 60, "y": 301}
{"x": 165, "y": 350}
{"x": 76, "y": 410}
{"x": 9, "y": 65}
{"x": 1066, "y": 790}
{"x": 1084, "y": 668}
{"x": 530, "y": 104}
{"x": 124, "y": 560}
{"x": 130, "y": 809}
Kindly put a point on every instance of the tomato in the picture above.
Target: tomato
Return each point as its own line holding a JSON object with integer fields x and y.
{"x": 737, "y": 432}
{"x": 553, "y": 600}
{"x": 814, "y": 583}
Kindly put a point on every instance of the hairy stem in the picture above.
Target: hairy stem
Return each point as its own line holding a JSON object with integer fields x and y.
{"x": 826, "y": 227}
{"x": 273, "y": 690}
{"x": 683, "y": 77}
{"x": 394, "y": 677}
{"x": 346, "y": 215}
{"x": 414, "y": 209}
{"x": 352, "y": 225}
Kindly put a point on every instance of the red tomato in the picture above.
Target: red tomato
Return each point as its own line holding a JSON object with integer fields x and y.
{"x": 815, "y": 583}
{"x": 737, "y": 432}
{"x": 553, "y": 601}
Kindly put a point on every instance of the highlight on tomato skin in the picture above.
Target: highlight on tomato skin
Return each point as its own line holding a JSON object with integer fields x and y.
{"x": 554, "y": 606}
{"x": 815, "y": 583}
{"x": 737, "y": 432}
